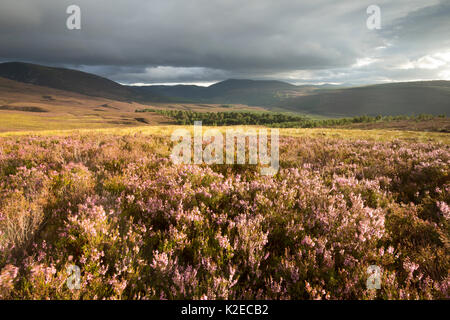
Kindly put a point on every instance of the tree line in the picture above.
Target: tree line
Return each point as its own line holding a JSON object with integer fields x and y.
{"x": 273, "y": 119}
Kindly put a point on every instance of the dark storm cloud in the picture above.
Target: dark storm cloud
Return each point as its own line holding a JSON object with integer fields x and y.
{"x": 421, "y": 32}
{"x": 206, "y": 40}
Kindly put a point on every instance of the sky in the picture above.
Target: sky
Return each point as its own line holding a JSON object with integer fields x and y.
{"x": 205, "y": 41}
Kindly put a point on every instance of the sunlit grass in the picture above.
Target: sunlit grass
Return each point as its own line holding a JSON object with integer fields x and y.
{"x": 10, "y": 122}
{"x": 379, "y": 135}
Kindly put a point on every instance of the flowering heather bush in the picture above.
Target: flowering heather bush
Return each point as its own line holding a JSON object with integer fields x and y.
{"x": 140, "y": 227}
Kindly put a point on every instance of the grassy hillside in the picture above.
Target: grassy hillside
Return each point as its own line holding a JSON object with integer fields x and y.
{"x": 236, "y": 91}
{"x": 431, "y": 97}
{"x": 65, "y": 79}
{"x": 30, "y": 107}
{"x": 26, "y": 106}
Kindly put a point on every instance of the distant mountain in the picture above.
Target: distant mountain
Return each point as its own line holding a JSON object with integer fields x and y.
{"x": 178, "y": 93}
{"x": 237, "y": 91}
{"x": 386, "y": 99}
{"x": 65, "y": 79}
{"x": 231, "y": 85}
{"x": 329, "y": 100}
{"x": 432, "y": 97}
{"x": 252, "y": 92}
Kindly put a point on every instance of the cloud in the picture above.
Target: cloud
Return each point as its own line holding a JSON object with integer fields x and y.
{"x": 209, "y": 40}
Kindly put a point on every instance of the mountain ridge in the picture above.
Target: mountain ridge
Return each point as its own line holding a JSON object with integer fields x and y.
{"x": 328, "y": 100}
{"x": 65, "y": 79}
{"x": 398, "y": 98}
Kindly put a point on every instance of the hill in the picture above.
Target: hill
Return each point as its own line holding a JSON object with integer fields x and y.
{"x": 177, "y": 93}
{"x": 432, "y": 97}
{"x": 25, "y": 106}
{"x": 253, "y": 92}
{"x": 234, "y": 91}
{"x": 65, "y": 79}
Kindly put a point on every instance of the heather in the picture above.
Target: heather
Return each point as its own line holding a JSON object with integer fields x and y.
{"x": 140, "y": 227}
